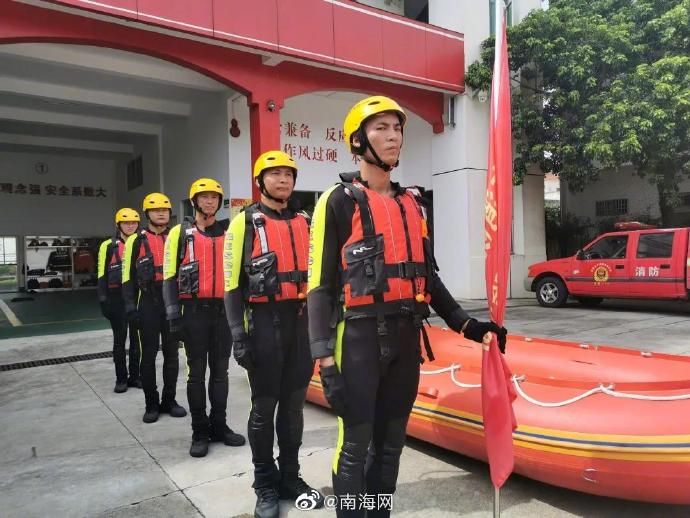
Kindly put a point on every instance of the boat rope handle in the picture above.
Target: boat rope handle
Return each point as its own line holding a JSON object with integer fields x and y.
{"x": 608, "y": 390}
{"x": 516, "y": 381}
{"x": 453, "y": 367}
{"x": 611, "y": 392}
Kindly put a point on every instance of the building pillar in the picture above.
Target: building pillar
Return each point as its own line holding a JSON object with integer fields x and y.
{"x": 529, "y": 233}
{"x": 264, "y": 127}
{"x": 459, "y": 157}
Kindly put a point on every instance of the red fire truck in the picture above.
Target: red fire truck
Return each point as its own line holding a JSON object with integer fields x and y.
{"x": 641, "y": 264}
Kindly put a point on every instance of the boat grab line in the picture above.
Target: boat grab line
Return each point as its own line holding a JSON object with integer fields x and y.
{"x": 608, "y": 390}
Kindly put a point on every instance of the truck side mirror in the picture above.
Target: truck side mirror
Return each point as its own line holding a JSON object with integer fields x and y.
{"x": 580, "y": 255}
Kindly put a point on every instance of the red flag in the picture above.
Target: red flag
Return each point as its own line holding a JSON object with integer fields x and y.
{"x": 497, "y": 390}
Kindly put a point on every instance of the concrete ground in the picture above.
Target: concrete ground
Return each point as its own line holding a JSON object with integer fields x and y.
{"x": 41, "y": 313}
{"x": 71, "y": 447}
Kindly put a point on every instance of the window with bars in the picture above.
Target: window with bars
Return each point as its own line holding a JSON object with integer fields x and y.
{"x": 615, "y": 207}
{"x": 135, "y": 173}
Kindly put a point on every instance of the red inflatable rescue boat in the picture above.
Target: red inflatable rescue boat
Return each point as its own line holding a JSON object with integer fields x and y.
{"x": 602, "y": 420}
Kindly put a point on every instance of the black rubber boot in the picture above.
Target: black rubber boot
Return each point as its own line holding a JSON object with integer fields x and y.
{"x": 226, "y": 436}
{"x": 120, "y": 387}
{"x": 136, "y": 383}
{"x": 199, "y": 447}
{"x": 151, "y": 414}
{"x": 292, "y": 487}
{"x": 267, "y": 503}
{"x": 172, "y": 408}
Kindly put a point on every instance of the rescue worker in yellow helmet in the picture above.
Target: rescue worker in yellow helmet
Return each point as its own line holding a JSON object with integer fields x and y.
{"x": 265, "y": 261}
{"x": 193, "y": 294}
{"x": 372, "y": 278}
{"x": 112, "y": 304}
{"x": 143, "y": 293}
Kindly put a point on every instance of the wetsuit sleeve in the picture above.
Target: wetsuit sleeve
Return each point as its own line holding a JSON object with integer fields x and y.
{"x": 234, "y": 276}
{"x": 323, "y": 295}
{"x": 171, "y": 294}
{"x": 129, "y": 273}
{"x": 443, "y": 303}
{"x": 103, "y": 259}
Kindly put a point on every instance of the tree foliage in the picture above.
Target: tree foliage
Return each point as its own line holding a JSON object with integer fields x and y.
{"x": 602, "y": 83}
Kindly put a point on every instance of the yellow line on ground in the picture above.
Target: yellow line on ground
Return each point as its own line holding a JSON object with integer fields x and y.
{"x": 9, "y": 314}
{"x": 61, "y": 322}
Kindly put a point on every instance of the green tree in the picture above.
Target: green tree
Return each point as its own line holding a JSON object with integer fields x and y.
{"x": 602, "y": 83}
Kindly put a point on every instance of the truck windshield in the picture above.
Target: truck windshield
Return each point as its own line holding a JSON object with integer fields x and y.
{"x": 611, "y": 247}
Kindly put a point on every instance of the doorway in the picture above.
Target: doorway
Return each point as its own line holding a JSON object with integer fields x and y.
{"x": 9, "y": 279}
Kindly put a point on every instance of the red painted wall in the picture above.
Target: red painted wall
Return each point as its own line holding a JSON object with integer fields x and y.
{"x": 241, "y": 71}
{"x": 336, "y": 32}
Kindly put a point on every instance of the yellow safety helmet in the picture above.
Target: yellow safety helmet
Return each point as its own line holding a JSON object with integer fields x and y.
{"x": 126, "y": 214}
{"x": 365, "y": 109}
{"x": 274, "y": 159}
{"x": 205, "y": 185}
{"x": 156, "y": 200}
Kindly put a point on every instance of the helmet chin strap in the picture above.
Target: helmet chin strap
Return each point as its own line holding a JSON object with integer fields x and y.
{"x": 377, "y": 160}
{"x": 264, "y": 191}
{"x": 146, "y": 213}
{"x": 198, "y": 209}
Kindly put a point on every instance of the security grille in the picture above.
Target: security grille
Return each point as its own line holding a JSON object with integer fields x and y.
{"x": 612, "y": 207}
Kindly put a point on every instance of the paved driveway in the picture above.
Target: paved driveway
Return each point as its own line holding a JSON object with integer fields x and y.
{"x": 71, "y": 447}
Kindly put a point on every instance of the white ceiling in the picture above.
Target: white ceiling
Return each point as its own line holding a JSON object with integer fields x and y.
{"x": 71, "y": 97}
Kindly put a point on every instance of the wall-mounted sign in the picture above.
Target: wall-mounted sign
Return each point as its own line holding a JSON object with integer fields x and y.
{"x": 237, "y": 204}
{"x": 41, "y": 167}
{"x": 301, "y": 143}
{"x": 83, "y": 191}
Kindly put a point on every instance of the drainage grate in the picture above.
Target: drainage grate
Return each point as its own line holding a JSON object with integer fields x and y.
{"x": 56, "y": 361}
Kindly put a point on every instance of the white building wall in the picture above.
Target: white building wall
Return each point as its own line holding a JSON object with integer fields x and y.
{"x": 196, "y": 147}
{"x": 44, "y": 214}
{"x": 459, "y": 163}
{"x": 643, "y": 198}
{"x": 147, "y": 148}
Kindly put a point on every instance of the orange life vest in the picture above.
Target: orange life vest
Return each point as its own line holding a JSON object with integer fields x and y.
{"x": 149, "y": 263}
{"x": 383, "y": 260}
{"x": 207, "y": 253}
{"x": 277, "y": 266}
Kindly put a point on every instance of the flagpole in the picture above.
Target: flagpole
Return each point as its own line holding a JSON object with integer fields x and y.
{"x": 486, "y": 342}
{"x": 500, "y": 8}
{"x": 497, "y": 502}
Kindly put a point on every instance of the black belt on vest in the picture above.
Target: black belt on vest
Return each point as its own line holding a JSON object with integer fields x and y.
{"x": 405, "y": 270}
{"x": 194, "y": 305}
{"x": 295, "y": 276}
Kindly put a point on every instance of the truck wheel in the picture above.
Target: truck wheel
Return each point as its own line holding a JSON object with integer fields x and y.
{"x": 551, "y": 292}
{"x": 590, "y": 302}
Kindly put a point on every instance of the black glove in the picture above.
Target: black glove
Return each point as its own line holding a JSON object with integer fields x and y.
{"x": 243, "y": 353}
{"x": 334, "y": 388}
{"x": 475, "y": 330}
{"x": 106, "y": 311}
{"x": 134, "y": 318}
{"x": 176, "y": 330}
